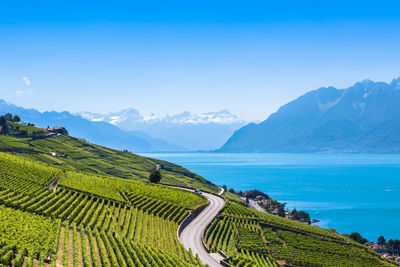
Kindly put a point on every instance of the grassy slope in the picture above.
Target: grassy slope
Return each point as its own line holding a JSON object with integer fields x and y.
{"x": 92, "y": 158}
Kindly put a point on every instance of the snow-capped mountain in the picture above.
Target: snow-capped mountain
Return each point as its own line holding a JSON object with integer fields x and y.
{"x": 133, "y": 116}
{"x": 191, "y": 131}
{"x": 95, "y": 131}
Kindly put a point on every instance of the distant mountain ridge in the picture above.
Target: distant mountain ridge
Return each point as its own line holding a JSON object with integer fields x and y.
{"x": 126, "y": 116}
{"x": 97, "y": 132}
{"x": 206, "y": 131}
{"x": 364, "y": 118}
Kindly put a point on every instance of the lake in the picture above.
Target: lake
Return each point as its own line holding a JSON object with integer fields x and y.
{"x": 347, "y": 192}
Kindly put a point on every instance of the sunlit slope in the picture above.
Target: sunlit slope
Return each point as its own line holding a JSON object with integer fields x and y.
{"x": 85, "y": 219}
{"x": 74, "y": 154}
{"x": 256, "y": 238}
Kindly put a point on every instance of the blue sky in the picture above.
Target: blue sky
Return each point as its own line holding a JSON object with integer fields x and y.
{"x": 169, "y": 56}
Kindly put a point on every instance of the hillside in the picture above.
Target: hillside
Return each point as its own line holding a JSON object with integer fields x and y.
{"x": 363, "y": 118}
{"x": 79, "y": 155}
{"x": 253, "y": 238}
{"x": 84, "y": 219}
{"x": 89, "y": 205}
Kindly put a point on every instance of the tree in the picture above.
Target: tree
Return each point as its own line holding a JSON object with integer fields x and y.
{"x": 358, "y": 238}
{"x": 304, "y": 216}
{"x": 255, "y": 193}
{"x": 2, "y": 121}
{"x": 225, "y": 187}
{"x": 155, "y": 176}
{"x": 390, "y": 247}
{"x": 381, "y": 241}
{"x": 396, "y": 247}
{"x": 16, "y": 118}
{"x": 295, "y": 214}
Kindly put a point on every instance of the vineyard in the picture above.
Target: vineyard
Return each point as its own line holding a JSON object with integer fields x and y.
{"x": 82, "y": 247}
{"x": 23, "y": 175}
{"x": 112, "y": 187}
{"x": 22, "y": 230}
{"x": 87, "y": 219}
{"x": 93, "y": 208}
{"x": 256, "y": 238}
{"x": 80, "y": 156}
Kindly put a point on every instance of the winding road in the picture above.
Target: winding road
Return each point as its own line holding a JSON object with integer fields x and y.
{"x": 191, "y": 236}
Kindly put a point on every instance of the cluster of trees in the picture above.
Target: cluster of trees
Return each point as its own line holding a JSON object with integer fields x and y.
{"x": 3, "y": 122}
{"x": 254, "y": 193}
{"x": 392, "y": 246}
{"x": 301, "y": 216}
{"x": 248, "y": 194}
{"x": 358, "y": 238}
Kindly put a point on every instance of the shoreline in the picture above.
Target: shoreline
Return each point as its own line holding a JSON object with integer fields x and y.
{"x": 347, "y": 212}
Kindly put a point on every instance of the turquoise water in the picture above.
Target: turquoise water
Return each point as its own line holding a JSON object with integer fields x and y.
{"x": 350, "y": 193}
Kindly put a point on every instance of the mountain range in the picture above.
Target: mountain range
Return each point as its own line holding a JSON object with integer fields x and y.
{"x": 95, "y": 132}
{"x": 364, "y": 118}
{"x": 188, "y": 131}
{"x": 127, "y": 129}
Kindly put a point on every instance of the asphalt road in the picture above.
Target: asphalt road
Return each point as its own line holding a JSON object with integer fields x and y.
{"x": 192, "y": 234}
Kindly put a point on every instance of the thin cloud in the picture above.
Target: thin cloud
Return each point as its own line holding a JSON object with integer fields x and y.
{"x": 26, "y": 80}
{"x": 21, "y": 93}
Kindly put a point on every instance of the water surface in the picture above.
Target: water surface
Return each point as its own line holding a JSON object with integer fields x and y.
{"x": 347, "y": 192}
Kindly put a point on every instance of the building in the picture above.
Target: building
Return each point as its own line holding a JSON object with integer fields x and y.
{"x": 56, "y": 154}
{"x": 282, "y": 262}
{"x": 57, "y": 129}
{"x": 377, "y": 248}
{"x": 8, "y": 116}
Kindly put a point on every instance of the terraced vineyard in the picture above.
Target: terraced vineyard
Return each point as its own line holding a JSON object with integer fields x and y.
{"x": 90, "y": 158}
{"x": 254, "y": 238}
{"x": 87, "y": 219}
{"x": 83, "y": 247}
{"x": 117, "y": 188}
{"x": 92, "y": 208}
{"x": 22, "y": 175}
